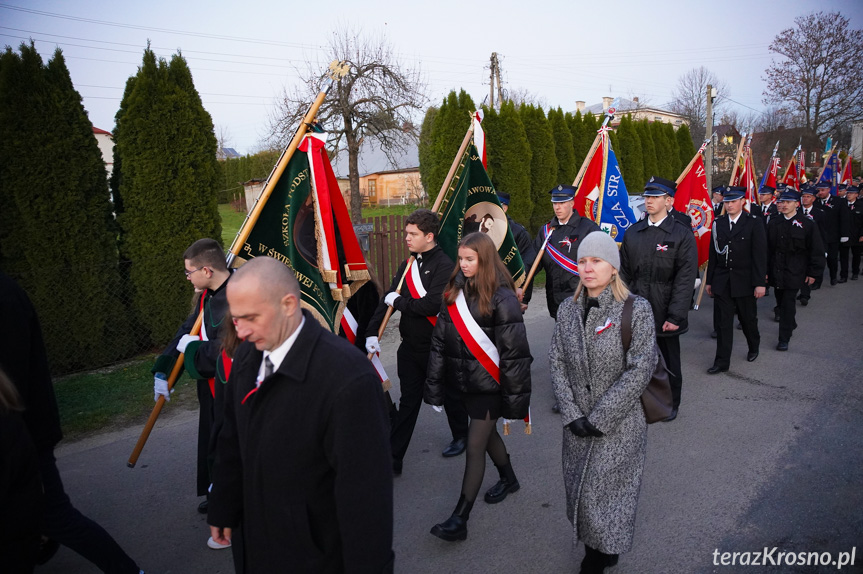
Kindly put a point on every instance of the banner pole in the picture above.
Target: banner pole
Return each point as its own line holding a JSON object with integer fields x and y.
{"x": 452, "y": 169}
{"x": 692, "y": 162}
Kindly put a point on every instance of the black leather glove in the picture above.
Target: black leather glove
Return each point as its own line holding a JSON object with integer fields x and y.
{"x": 592, "y": 429}
{"x": 579, "y": 427}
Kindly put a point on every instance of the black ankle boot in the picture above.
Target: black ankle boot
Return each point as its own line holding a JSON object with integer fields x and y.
{"x": 595, "y": 562}
{"x": 507, "y": 483}
{"x": 455, "y": 527}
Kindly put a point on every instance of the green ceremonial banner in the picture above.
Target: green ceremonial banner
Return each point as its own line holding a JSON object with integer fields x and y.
{"x": 285, "y": 231}
{"x": 472, "y": 205}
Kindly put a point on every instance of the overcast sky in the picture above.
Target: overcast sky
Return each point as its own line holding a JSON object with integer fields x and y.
{"x": 242, "y": 54}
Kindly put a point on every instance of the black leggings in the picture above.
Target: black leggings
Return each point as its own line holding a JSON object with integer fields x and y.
{"x": 482, "y": 437}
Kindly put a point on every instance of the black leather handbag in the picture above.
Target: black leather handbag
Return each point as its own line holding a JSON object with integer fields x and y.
{"x": 656, "y": 399}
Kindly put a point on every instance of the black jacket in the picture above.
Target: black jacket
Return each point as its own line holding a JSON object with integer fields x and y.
{"x": 560, "y": 283}
{"x": 743, "y": 267}
{"x": 678, "y": 216}
{"x": 452, "y": 364}
{"x": 836, "y": 218}
{"x": 414, "y": 326}
{"x": 855, "y": 222}
{"x": 524, "y": 243}
{"x": 660, "y": 264}
{"x": 817, "y": 215}
{"x": 304, "y": 462}
{"x": 795, "y": 251}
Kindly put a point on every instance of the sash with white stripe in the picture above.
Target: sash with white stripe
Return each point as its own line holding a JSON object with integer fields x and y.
{"x": 415, "y": 286}
{"x": 557, "y": 256}
{"x": 349, "y": 324}
{"x": 478, "y": 343}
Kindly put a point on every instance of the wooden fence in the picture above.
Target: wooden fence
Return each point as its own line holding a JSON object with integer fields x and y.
{"x": 387, "y": 247}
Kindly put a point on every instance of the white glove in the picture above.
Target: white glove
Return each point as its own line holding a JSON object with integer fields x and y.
{"x": 843, "y": 239}
{"x": 391, "y": 297}
{"x": 160, "y": 387}
{"x": 184, "y": 342}
{"x": 373, "y": 345}
{"x": 437, "y": 409}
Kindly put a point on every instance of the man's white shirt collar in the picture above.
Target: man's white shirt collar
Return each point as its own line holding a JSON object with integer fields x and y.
{"x": 658, "y": 223}
{"x": 278, "y": 354}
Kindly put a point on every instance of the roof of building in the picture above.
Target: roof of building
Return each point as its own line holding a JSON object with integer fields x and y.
{"x": 99, "y": 131}
{"x": 227, "y": 153}
{"x": 627, "y": 105}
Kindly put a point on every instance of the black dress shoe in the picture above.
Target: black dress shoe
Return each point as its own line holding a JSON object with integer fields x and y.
{"x": 804, "y": 301}
{"x": 713, "y": 334}
{"x": 843, "y": 280}
{"x": 751, "y": 356}
{"x": 671, "y": 417}
{"x": 455, "y": 448}
{"x": 832, "y": 282}
{"x": 739, "y": 326}
{"x": 397, "y": 466}
{"x": 716, "y": 369}
{"x": 202, "y": 508}
{"x": 855, "y": 277}
{"x": 782, "y": 346}
{"x": 555, "y": 408}
{"x": 776, "y": 317}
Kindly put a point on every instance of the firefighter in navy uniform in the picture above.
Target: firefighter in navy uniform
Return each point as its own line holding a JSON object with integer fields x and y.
{"x": 835, "y": 225}
{"x": 559, "y": 259}
{"x": 854, "y": 213}
{"x": 810, "y": 211}
{"x": 659, "y": 261}
{"x": 766, "y": 203}
{"x": 795, "y": 257}
{"x": 736, "y": 274}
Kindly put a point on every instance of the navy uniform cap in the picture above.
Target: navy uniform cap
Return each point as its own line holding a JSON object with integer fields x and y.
{"x": 841, "y": 186}
{"x": 562, "y": 193}
{"x": 733, "y": 192}
{"x": 719, "y": 189}
{"x": 807, "y": 190}
{"x": 852, "y": 189}
{"x": 789, "y": 195}
{"x": 781, "y": 186}
{"x": 657, "y": 186}
{"x": 503, "y": 197}
{"x": 766, "y": 190}
{"x": 823, "y": 184}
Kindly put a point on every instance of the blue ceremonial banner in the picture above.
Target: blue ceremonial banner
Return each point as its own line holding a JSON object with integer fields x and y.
{"x": 612, "y": 211}
{"x": 831, "y": 172}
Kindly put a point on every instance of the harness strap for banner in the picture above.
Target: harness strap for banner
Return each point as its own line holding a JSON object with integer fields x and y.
{"x": 557, "y": 256}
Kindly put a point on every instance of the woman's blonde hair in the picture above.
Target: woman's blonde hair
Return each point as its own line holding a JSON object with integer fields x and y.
{"x": 618, "y": 287}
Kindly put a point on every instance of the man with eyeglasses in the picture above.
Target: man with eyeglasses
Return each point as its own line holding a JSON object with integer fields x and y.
{"x": 203, "y": 359}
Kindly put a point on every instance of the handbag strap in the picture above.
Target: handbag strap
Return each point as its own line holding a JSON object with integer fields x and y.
{"x": 626, "y": 323}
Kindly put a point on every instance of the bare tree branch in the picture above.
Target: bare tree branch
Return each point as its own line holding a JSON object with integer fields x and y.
{"x": 690, "y": 99}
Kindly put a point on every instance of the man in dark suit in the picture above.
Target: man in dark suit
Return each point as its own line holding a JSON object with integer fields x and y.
{"x": 810, "y": 211}
{"x": 853, "y": 247}
{"x": 303, "y": 458}
{"x": 835, "y": 225}
{"x": 736, "y": 276}
{"x": 766, "y": 203}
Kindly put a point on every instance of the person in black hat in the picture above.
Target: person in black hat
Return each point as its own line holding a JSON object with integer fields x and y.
{"x": 520, "y": 234}
{"x": 795, "y": 258}
{"x": 767, "y": 207}
{"x": 853, "y": 209}
{"x": 736, "y": 274}
{"x": 659, "y": 261}
{"x": 716, "y": 198}
{"x": 836, "y": 223}
{"x": 810, "y": 211}
{"x": 567, "y": 229}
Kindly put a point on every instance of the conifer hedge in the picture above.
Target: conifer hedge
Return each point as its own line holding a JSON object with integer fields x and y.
{"x": 509, "y": 158}
{"x": 543, "y": 163}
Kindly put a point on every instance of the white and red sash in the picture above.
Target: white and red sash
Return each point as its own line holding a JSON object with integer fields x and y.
{"x": 349, "y": 324}
{"x": 415, "y": 285}
{"x": 557, "y": 256}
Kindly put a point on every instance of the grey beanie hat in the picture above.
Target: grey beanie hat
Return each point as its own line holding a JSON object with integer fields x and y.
{"x": 600, "y": 244}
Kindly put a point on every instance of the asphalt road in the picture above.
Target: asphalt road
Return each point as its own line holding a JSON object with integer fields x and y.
{"x": 769, "y": 454}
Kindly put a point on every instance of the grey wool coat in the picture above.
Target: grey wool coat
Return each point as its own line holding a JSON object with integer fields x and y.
{"x": 592, "y": 378}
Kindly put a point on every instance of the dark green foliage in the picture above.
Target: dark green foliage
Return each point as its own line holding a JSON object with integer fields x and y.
{"x": 509, "y": 158}
{"x": 424, "y": 147}
{"x": 566, "y": 167}
{"x": 674, "y": 151}
{"x": 450, "y": 126}
{"x": 543, "y": 163}
{"x": 168, "y": 187}
{"x": 650, "y": 165}
{"x": 630, "y": 156}
{"x": 581, "y": 140}
{"x": 684, "y": 141}
{"x": 233, "y": 172}
{"x": 57, "y": 232}
{"x": 663, "y": 151}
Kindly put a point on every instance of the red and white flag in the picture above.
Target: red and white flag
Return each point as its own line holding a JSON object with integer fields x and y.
{"x": 349, "y": 325}
{"x": 479, "y": 137}
{"x": 693, "y": 198}
{"x": 846, "y": 177}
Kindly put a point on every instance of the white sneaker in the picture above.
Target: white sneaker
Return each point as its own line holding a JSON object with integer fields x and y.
{"x": 216, "y": 546}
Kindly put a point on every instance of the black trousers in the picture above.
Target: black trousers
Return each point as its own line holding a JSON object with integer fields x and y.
{"x": 833, "y": 259}
{"x": 65, "y": 524}
{"x": 844, "y": 251}
{"x": 670, "y": 349}
{"x": 412, "y": 366}
{"x": 787, "y": 302}
{"x": 747, "y": 312}
{"x": 205, "y": 429}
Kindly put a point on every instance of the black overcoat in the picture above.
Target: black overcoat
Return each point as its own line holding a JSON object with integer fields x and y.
{"x": 795, "y": 251}
{"x": 744, "y": 266}
{"x": 836, "y": 218}
{"x": 304, "y": 462}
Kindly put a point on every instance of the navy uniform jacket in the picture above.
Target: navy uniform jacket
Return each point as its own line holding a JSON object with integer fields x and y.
{"x": 855, "y": 223}
{"x": 817, "y": 216}
{"x": 743, "y": 267}
{"x": 836, "y": 218}
{"x": 795, "y": 251}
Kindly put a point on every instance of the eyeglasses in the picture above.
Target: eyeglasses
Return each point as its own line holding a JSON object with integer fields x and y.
{"x": 189, "y": 273}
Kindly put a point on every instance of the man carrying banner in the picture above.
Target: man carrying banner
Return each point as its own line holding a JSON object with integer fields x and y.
{"x": 659, "y": 261}
{"x": 419, "y": 303}
{"x": 206, "y": 270}
{"x": 303, "y": 459}
{"x": 795, "y": 258}
{"x": 736, "y": 276}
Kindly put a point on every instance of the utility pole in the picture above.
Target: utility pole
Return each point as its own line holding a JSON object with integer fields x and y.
{"x": 492, "y": 73}
{"x": 711, "y": 94}
{"x": 497, "y": 75}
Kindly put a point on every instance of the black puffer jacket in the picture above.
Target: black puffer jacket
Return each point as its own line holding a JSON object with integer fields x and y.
{"x": 452, "y": 364}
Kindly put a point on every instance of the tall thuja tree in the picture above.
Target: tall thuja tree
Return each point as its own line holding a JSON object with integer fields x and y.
{"x": 450, "y": 125}
{"x": 566, "y": 168}
{"x": 168, "y": 188}
{"x": 509, "y": 158}
{"x": 57, "y": 232}
{"x": 687, "y": 149}
{"x": 650, "y": 165}
{"x": 673, "y": 151}
{"x": 581, "y": 140}
{"x": 630, "y": 155}
{"x": 424, "y": 146}
{"x": 662, "y": 149}
{"x": 543, "y": 162}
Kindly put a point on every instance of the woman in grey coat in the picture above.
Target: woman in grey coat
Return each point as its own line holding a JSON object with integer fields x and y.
{"x": 599, "y": 390}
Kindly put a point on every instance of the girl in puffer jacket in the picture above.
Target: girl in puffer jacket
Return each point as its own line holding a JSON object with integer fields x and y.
{"x": 479, "y": 348}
